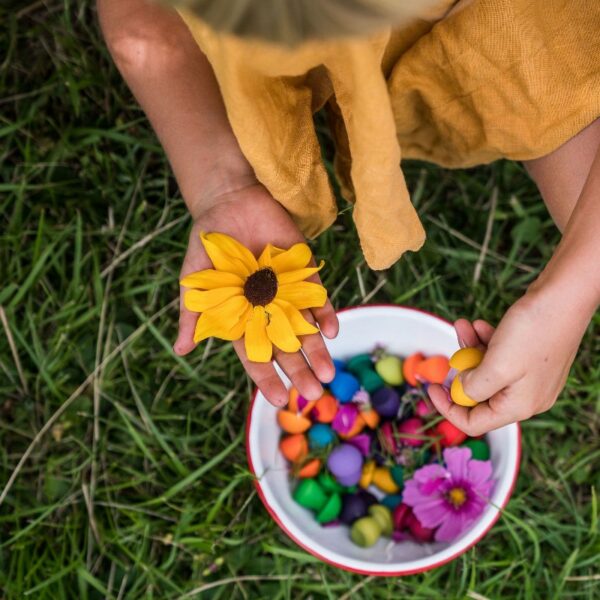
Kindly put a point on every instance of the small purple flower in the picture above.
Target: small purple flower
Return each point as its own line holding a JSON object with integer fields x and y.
{"x": 362, "y": 397}
{"x": 344, "y": 419}
{"x": 451, "y": 497}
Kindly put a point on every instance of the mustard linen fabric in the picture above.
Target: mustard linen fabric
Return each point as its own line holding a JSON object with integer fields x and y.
{"x": 466, "y": 84}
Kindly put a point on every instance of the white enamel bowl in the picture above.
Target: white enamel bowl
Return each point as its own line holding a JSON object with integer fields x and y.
{"x": 402, "y": 331}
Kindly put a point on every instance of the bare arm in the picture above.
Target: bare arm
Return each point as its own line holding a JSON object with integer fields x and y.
{"x": 572, "y": 193}
{"x": 175, "y": 85}
{"x": 530, "y": 353}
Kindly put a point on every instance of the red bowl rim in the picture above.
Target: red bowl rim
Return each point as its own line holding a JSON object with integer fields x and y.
{"x": 401, "y": 572}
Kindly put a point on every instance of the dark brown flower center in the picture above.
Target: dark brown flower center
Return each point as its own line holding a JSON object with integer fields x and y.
{"x": 261, "y": 287}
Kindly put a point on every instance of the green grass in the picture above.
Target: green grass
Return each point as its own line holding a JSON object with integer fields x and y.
{"x": 153, "y": 498}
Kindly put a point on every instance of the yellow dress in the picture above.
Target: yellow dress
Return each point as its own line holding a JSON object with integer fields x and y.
{"x": 468, "y": 83}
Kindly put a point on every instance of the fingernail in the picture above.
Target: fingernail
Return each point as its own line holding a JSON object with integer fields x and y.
{"x": 326, "y": 373}
{"x": 318, "y": 392}
{"x": 331, "y": 330}
{"x": 461, "y": 342}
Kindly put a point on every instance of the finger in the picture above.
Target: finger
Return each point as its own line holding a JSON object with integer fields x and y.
{"x": 327, "y": 320}
{"x": 294, "y": 365}
{"x": 316, "y": 353}
{"x": 195, "y": 260}
{"x": 467, "y": 337}
{"x": 325, "y": 315}
{"x": 489, "y": 378}
{"x": 477, "y": 420}
{"x": 264, "y": 376}
{"x": 484, "y": 331}
{"x": 187, "y": 325}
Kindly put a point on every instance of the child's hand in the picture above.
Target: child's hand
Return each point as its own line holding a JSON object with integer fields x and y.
{"x": 525, "y": 367}
{"x": 253, "y": 217}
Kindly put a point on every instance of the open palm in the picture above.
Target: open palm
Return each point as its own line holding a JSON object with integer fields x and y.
{"x": 253, "y": 217}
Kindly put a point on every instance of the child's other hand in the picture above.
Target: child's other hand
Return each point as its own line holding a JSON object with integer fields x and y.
{"x": 253, "y": 217}
{"x": 526, "y": 364}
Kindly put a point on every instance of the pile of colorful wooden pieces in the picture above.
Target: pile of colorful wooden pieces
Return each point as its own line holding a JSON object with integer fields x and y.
{"x": 351, "y": 451}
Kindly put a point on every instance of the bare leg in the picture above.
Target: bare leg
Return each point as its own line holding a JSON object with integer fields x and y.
{"x": 560, "y": 175}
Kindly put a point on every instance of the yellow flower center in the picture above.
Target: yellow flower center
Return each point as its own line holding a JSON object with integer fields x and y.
{"x": 457, "y": 496}
{"x": 261, "y": 287}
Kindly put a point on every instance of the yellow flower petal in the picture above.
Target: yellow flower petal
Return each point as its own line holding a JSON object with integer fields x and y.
{"x": 298, "y": 274}
{"x": 264, "y": 260}
{"x": 297, "y": 257}
{"x": 227, "y": 321}
{"x": 303, "y": 294}
{"x": 238, "y": 330}
{"x": 280, "y": 331}
{"x": 258, "y": 346}
{"x": 299, "y": 324}
{"x": 210, "y": 279}
{"x": 198, "y": 301}
{"x": 226, "y": 254}
{"x": 232, "y": 247}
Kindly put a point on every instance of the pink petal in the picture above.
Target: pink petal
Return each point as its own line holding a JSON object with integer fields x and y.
{"x": 429, "y": 472}
{"x": 472, "y": 510}
{"x": 457, "y": 461}
{"x": 433, "y": 513}
{"x": 484, "y": 492}
{"x": 452, "y": 527}
{"x": 433, "y": 486}
{"x": 411, "y": 494}
{"x": 479, "y": 471}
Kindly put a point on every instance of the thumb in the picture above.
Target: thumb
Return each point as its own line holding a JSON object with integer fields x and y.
{"x": 486, "y": 380}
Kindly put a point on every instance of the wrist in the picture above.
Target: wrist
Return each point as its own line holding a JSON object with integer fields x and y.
{"x": 220, "y": 178}
{"x": 571, "y": 293}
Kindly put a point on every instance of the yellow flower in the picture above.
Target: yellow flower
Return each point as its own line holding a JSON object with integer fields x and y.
{"x": 260, "y": 299}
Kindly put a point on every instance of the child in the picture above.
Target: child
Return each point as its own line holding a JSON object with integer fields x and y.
{"x": 465, "y": 83}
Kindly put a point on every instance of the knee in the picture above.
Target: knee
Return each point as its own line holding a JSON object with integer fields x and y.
{"x": 561, "y": 175}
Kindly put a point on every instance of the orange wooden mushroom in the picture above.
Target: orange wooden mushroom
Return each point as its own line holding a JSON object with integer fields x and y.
{"x": 294, "y": 406}
{"x": 433, "y": 369}
{"x": 294, "y": 447}
{"x": 310, "y": 469}
{"x": 358, "y": 426}
{"x": 325, "y": 408}
{"x": 370, "y": 417}
{"x": 409, "y": 366}
{"x": 292, "y": 422}
{"x": 293, "y": 400}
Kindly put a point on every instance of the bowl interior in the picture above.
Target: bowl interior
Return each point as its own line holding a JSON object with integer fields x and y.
{"x": 402, "y": 331}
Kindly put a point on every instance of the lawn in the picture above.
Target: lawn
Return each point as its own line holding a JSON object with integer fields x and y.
{"x": 125, "y": 465}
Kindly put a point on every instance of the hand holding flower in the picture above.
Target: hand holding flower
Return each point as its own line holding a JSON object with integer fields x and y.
{"x": 264, "y": 305}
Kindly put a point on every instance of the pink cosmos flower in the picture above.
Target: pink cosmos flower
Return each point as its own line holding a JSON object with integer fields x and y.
{"x": 451, "y": 497}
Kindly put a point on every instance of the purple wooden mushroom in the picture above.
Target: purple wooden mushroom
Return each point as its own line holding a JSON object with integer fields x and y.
{"x": 386, "y": 401}
{"x": 345, "y": 463}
